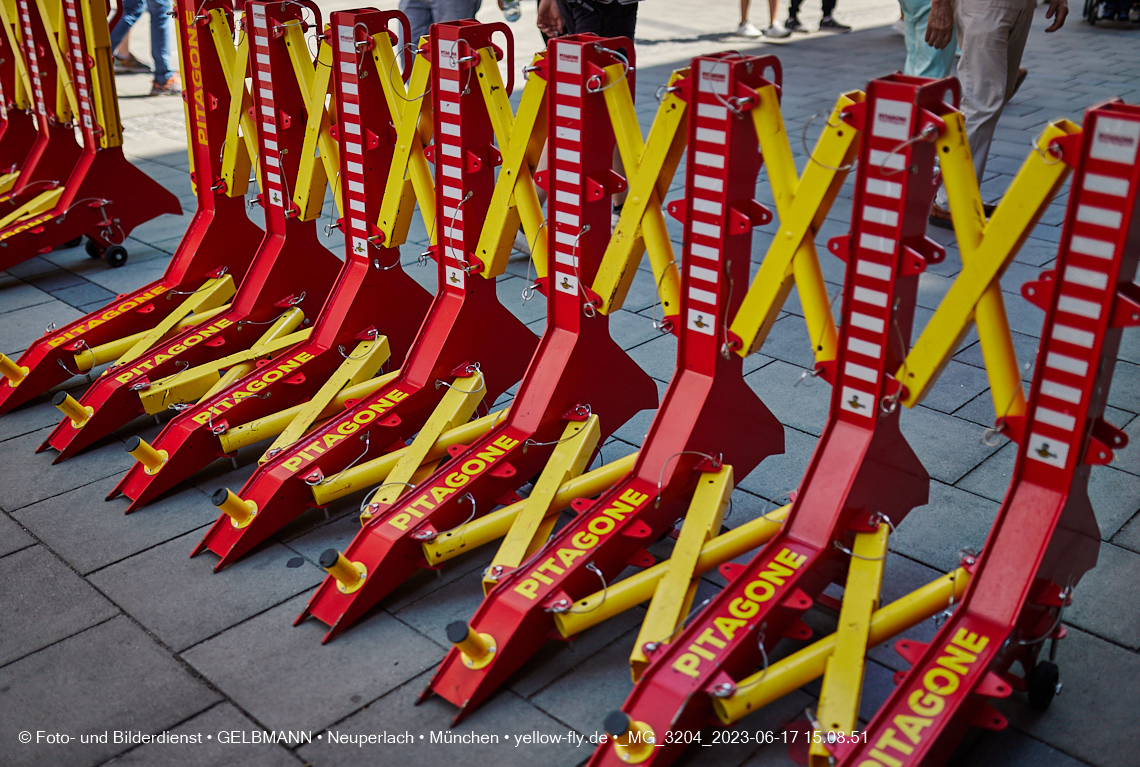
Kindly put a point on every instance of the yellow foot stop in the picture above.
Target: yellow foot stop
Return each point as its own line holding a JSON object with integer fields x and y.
{"x": 151, "y": 459}
{"x": 633, "y": 741}
{"x": 71, "y": 408}
{"x": 349, "y": 575}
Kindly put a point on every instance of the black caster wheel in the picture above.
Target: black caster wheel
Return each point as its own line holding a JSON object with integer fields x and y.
{"x": 70, "y": 243}
{"x": 94, "y": 249}
{"x": 1043, "y": 684}
{"x": 115, "y": 256}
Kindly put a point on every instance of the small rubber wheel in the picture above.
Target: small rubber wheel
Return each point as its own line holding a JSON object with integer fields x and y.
{"x": 94, "y": 249}
{"x": 115, "y": 256}
{"x": 1041, "y": 686}
{"x": 71, "y": 243}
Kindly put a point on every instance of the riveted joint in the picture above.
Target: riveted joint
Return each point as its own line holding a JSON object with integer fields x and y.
{"x": 240, "y": 512}
{"x": 477, "y": 650}
{"x": 349, "y": 575}
{"x": 151, "y": 459}
{"x": 13, "y": 372}
{"x": 71, "y": 408}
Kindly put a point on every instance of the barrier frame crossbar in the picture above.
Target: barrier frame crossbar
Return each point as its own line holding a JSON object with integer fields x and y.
{"x": 453, "y": 342}
{"x": 219, "y": 240}
{"x": 373, "y": 310}
{"x": 291, "y": 270}
{"x": 860, "y": 451}
{"x": 1045, "y": 536}
{"x": 709, "y": 417}
{"x": 577, "y": 371}
{"x": 100, "y": 194}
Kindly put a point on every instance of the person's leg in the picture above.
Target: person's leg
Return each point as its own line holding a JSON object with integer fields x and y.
{"x": 744, "y": 6}
{"x": 1018, "y": 36}
{"x": 161, "y": 39}
{"x": 132, "y": 11}
{"x": 983, "y": 70}
{"x": 924, "y": 60}
{"x": 419, "y": 18}
{"x": 452, "y": 10}
{"x": 828, "y": 7}
{"x": 578, "y": 18}
{"x": 794, "y": 9}
{"x": 617, "y": 20}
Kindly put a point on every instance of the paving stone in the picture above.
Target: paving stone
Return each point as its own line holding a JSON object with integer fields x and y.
{"x": 33, "y": 416}
{"x": 209, "y": 751}
{"x": 49, "y": 600}
{"x": 770, "y": 719}
{"x": 18, "y": 294}
{"x": 50, "y": 282}
{"x": 1010, "y": 748}
{"x": 12, "y": 536}
{"x": 89, "y": 534}
{"x": 657, "y": 357}
{"x": 957, "y": 385}
{"x": 81, "y": 295}
{"x": 1125, "y": 391}
{"x": 286, "y": 679}
{"x": 930, "y": 434}
{"x": 631, "y": 330}
{"x": 935, "y": 533}
{"x": 1104, "y": 602}
{"x": 1094, "y": 719}
{"x": 120, "y": 281}
{"x": 802, "y": 407}
{"x": 779, "y": 474}
{"x": 506, "y": 716}
{"x": 110, "y": 677}
{"x": 206, "y": 602}
{"x": 23, "y": 327}
{"x": 593, "y": 688}
{"x": 39, "y": 479}
{"x": 902, "y": 576}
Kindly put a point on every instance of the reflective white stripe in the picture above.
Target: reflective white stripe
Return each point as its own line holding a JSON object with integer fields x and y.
{"x": 565, "y": 217}
{"x": 1086, "y": 277}
{"x": 877, "y": 243}
{"x": 1053, "y": 418}
{"x": 353, "y": 148}
{"x": 568, "y": 198}
{"x": 708, "y": 230}
{"x": 565, "y": 110}
{"x": 1079, "y": 306}
{"x": 451, "y": 86}
{"x": 450, "y": 129}
{"x": 707, "y": 206}
{"x": 1060, "y": 391}
{"x": 568, "y": 154}
{"x": 708, "y": 182}
{"x": 866, "y": 348}
{"x": 1072, "y": 335}
{"x": 704, "y": 251}
{"x": 570, "y": 134}
{"x": 565, "y": 238}
{"x": 568, "y": 89}
{"x": 1095, "y": 182}
{"x": 703, "y": 296}
{"x": 873, "y": 270}
{"x": 270, "y": 144}
{"x": 712, "y": 111}
{"x": 453, "y": 214}
{"x": 450, "y": 150}
{"x": 568, "y": 176}
{"x": 355, "y": 167}
{"x": 709, "y": 159}
{"x": 862, "y": 372}
{"x": 873, "y": 297}
{"x": 273, "y": 161}
{"x": 350, "y": 108}
{"x": 891, "y": 160}
{"x": 356, "y": 187}
{"x": 701, "y": 273}
{"x": 1090, "y": 247}
{"x": 452, "y": 171}
{"x": 1066, "y": 363}
{"x": 867, "y": 322}
{"x": 356, "y": 204}
{"x": 349, "y": 88}
{"x": 449, "y": 107}
{"x": 1090, "y": 214}
{"x": 712, "y": 136}
{"x": 880, "y": 215}
{"x": 452, "y": 192}
{"x": 569, "y": 260}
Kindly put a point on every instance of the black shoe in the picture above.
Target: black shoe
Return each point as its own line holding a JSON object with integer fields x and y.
{"x": 828, "y": 24}
{"x": 793, "y": 25}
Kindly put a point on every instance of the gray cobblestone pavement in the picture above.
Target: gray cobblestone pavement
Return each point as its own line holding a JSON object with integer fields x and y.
{"x": 111, "y": 627}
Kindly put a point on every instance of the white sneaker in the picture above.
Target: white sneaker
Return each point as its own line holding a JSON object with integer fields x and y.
{"x": 748, "y": 29}
{"x": 899, "y": 27}
{"x": 777, "y": 31}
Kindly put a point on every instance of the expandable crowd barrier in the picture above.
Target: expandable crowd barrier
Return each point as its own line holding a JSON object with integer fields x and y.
{"x": 244, "y": 357}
